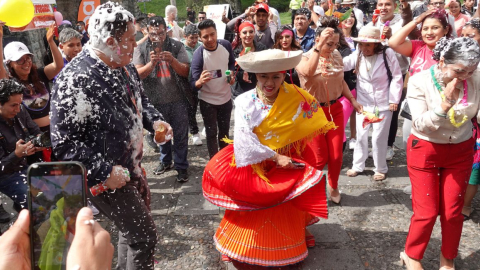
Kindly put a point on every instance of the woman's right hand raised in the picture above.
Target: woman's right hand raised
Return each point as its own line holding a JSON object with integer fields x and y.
{"x": 422, "y": 16}
{"x": 324, "y": 36}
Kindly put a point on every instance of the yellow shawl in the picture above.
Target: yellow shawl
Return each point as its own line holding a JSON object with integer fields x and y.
{"x": 287, "y": 125}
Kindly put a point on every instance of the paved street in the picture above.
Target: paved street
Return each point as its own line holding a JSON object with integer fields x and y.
{"x": 366, "y": 231}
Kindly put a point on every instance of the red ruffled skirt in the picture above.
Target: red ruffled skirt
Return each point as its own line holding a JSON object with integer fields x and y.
{"x": 265, "y": 222}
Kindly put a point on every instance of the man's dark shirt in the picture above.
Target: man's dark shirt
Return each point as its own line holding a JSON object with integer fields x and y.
{"x": 11, "y": 133}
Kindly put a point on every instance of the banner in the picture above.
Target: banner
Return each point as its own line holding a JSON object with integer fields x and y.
{"x": 43, "y": 17}
{"x": 86, "y": 9}
{"x": 215, "y": 13}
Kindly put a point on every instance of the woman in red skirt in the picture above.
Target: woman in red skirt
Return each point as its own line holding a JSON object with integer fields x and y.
{"x": 264, "y": 179}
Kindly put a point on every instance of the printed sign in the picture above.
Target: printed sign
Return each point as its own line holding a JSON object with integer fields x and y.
{"x": 215, "y": 13}
{"x": 43, "y": 16}
{"x": 86, "y": 9}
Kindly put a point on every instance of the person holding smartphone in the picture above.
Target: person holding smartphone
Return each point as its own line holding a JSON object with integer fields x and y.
{"x": 99, "y": 110}
{"x": 163, "y": 64}
{"x": 15, "y": 126}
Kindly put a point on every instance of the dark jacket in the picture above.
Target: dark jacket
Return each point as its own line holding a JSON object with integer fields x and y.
{"x": 240, "y": 86}
{"x": 10, "y": 134}
{"x": 98, "y": 115}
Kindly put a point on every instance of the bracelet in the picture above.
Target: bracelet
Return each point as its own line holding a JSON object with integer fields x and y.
{"x": 450, "y": 101}
{"x": 440, "y": 114}
{"x": 315, "y": 50}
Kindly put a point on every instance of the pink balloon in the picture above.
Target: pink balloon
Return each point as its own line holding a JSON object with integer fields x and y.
{"x": 58, "y": 17}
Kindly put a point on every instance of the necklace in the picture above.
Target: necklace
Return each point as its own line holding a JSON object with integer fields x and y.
{"x": 265, "y": 99}
{"x": 451, "y": 112}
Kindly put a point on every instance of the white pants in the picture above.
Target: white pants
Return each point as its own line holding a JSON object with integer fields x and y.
{"x": 379, "y": 143}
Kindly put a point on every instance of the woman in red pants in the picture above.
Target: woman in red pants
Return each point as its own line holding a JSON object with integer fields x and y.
{"x": 442, "y": 101}
{"x": 321, "y": 74}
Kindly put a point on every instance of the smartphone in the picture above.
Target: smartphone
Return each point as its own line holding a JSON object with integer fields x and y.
{"x": 214, "y": 74}
{"x": 298, "y": 165}
{"x": 157, "y": 47}
{"x": 56, "y": 192}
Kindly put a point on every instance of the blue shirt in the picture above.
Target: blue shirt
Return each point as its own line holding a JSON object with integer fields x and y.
{"x": 308, "y": 39}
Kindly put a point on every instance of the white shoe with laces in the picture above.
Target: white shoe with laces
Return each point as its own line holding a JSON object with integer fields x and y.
{"x": 196, "y": 139}
{"x": 351, "y": 143}
{"x": 390, "y": 153}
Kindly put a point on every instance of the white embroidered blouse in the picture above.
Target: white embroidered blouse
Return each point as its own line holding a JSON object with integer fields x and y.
{"x": 249, "y": 113}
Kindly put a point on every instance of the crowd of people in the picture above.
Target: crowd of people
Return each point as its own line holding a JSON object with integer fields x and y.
{"x": 111, "y": 86}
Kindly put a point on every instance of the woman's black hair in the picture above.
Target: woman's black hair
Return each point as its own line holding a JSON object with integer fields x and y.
{"x": 473, "y": 23}
{"x": 354, "y": 32}
{"x": 277, "y": 44}
{"x": 8, "y": 88}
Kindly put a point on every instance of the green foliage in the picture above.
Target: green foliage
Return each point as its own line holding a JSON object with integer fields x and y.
{"x": 158, "y": 6}
{"x": 286, "y": 17}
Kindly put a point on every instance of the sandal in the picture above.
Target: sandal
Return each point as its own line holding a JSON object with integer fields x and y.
{"x": 352, "y": 173}
{"x": 379, "y": 176}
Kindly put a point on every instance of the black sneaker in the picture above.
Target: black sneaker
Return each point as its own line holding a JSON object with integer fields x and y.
{"x": 162, "y": 168}
{"x": 4, "y": 215}
{"x": 148, "y": 138}
{"x": 182, "y": 176}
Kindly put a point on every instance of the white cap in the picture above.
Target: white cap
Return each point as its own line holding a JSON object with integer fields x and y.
{"x": 15, "y": 50}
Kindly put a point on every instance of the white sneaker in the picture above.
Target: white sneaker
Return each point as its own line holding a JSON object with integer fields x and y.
{"x": 93, "y": 208}
{"x": 204, "y": 133}
{"x": 196, "y": 139}
{"x": 351, "y": 144}
{"x": 390, "y": 153}
{"x": 408, "y": 190}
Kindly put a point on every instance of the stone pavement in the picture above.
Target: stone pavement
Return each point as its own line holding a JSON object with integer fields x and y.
{"x": 366, "y": 231}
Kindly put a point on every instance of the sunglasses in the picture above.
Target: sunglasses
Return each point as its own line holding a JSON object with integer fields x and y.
{"x": 24, "y": 59}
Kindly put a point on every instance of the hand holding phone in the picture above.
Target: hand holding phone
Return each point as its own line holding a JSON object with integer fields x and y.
{"x": 91, "y": 247}
{"x": 215, "y": 74}
{"x": 15, "y": 244}
{"x": 157, "y": 47}
{"x": 56, "y": 194}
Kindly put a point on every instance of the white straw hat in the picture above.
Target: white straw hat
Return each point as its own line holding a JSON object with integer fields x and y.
{"x": 369, "y": 34}
{"x": 349, "y": 2}
{"x": 267, "y": 61}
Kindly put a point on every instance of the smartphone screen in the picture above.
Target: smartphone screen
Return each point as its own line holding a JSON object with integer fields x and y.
{"x": 214, "y": 74}
{"x": 56, "y": 194}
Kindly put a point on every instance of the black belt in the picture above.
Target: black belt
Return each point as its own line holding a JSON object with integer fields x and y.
{"x": 326, "y": 104}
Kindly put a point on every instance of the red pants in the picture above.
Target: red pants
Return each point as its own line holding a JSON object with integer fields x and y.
{"x": 328, "y": 148}
{"x": 439, "y": 174}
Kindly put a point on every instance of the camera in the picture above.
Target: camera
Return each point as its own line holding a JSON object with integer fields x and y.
{"x": 42, "y": 140}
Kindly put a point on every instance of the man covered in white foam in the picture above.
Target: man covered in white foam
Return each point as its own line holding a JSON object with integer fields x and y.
{"x": 98, "y": 114}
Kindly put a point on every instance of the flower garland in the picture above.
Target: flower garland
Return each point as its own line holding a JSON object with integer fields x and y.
{"x": 451, "y": 112}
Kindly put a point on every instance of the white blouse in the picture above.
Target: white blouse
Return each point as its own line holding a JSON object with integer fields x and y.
{"x": 249, "y": 113}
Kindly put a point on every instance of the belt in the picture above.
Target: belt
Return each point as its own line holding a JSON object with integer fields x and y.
{"x": 328, "y": 103}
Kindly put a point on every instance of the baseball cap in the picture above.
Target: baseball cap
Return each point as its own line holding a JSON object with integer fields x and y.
{"x": 262, "y": 6}
{"x": 15, "y": 50}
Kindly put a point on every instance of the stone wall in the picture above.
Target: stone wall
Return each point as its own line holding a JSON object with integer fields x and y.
{"x": 34, "y": 41}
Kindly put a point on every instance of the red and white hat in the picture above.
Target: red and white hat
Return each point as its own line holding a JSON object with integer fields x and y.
{"x": 262, "y": 6}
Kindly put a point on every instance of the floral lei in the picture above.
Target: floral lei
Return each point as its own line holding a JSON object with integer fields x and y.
{"x": 451, "y": 112}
